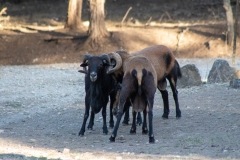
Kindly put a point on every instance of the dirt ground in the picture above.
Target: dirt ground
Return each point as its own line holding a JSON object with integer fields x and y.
{"x": 42, "y": 94}
{"x": 42, "y": 108}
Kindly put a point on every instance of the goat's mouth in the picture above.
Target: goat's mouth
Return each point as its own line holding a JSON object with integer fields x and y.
{"x": 93, "y": 79}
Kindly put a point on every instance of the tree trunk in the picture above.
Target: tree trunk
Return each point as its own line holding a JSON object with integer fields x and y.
{"x": 229, "y": 14}
{"x": 235, "y": 34}
{"x": 97, "y": 28}
{"x": 74, "y": 15}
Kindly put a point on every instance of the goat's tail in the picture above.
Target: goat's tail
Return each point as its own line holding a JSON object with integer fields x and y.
{"x": 178, "y": 70}
{"x": 138, "y": 76}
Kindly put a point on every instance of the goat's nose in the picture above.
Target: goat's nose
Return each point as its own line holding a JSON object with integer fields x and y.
{"x": 93, "y": 76}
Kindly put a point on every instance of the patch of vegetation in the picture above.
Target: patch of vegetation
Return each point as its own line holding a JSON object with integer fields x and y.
{"x": 189, "y": 142}
{"x": 13, "y": 104}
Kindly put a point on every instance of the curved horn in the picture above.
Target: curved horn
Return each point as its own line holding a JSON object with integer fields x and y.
{"x": 117, "y": 58}
{"x": 106, "y": 57}
{"x": 85, "y": 59}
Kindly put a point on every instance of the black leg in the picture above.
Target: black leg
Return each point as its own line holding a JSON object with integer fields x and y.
{"x": 126, "y": 116}
{"x": 150, "y": 118}
{"x": 111, "y": 121}
{"x": 144, "y": 127}
{"x": 104, "y": 114}
{"x": 150, "y": 134}
{"x": 91, "y": 122}
{"x": 139, "y": 119}
{"x": 86, "y": 114}
{"x": 127, "y": 90}
{"x": 114, "y": 133}
{"x": 175, "y": 96}
{"x": 165, "y": 104}
{"x": 133, "y": 129}
{"x": 178, "y": 111}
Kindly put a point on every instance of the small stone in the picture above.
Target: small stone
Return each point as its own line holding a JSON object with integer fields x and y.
{"x": 229, "y": 105}
{"x": 66, "y": 151}
{"x": 118, "y": 158}
{"x": 31, "y": 141}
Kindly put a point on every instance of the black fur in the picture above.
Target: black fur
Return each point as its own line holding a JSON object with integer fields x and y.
{"x": 130, "y": 90}
{"x": 98, "y": 92}
{"x": 172, "y": 77}
{"x": 167, "y": 59}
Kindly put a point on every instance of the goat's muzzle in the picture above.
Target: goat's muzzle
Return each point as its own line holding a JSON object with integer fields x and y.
{"x": 93, "y": 76}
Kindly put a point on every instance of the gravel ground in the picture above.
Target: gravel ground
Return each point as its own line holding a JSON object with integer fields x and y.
{"x": 42, "y": 108}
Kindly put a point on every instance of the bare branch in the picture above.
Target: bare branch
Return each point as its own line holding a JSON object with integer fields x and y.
{"x": 3, "y": 11}
{"x": 125, "y": 16}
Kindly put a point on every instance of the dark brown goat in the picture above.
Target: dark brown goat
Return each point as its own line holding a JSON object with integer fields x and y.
{"x": 139, "y": 86}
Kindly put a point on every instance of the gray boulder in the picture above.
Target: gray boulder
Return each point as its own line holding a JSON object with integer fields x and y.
{"x": 221, "y": 72}
{"x": 235, "y": 83}
{"x": 190, "y": 76}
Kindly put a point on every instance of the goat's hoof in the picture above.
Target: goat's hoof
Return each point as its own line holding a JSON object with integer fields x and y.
{"x": 111, "y": 125}
{"x": 145, "y": 131}
{"x": 105, "y": 132}
{"x": 178, "y": 116}
{"x": 112, "y": 139}
{"x": 80, "y": 134}
{"x": 139, "y": 122}
{"x": 125, "y": 123}
{"x": 165, "y": 116}
{"x": 151, "y": 140}
{"x": 133, "y": 131}
{"x": 90, "y": 128}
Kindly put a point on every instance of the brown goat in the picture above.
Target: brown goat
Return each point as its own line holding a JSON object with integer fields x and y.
{"x": 166, "y": 67}
{"x": 139, "y": 85}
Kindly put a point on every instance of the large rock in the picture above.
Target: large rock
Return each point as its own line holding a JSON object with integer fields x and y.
{"x": 221, "y": 72}
{"x": 190, "y": 76}
{"x": 235, "y": 83}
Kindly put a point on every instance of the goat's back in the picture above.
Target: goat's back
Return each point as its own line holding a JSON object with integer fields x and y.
{"x": 141, "y": 70}
{"x": 161, "y": 58}
{"x": 139, "y": 63}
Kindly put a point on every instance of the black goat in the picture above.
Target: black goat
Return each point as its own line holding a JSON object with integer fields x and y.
{"x": 99, "y": 86}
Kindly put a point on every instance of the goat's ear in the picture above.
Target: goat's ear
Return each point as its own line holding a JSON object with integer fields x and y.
{"x": 105, "y": 62}
{"x": 82, "y": 71}
{"x": 84, "y": 64}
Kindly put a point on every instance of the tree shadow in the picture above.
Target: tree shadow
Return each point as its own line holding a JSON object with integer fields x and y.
{"x": 23, "y": 157}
